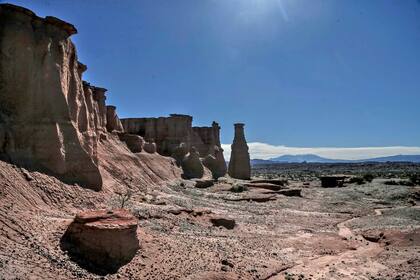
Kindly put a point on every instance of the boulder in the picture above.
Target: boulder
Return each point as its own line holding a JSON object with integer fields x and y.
{"x": 239, "y": 164}
{"x": 134, "y": 142}
{"x": 102, "y": 241}
{"x": 192, "y": 166}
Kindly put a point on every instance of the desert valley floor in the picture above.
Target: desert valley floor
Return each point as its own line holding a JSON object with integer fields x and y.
{"x": 367, "y": 231}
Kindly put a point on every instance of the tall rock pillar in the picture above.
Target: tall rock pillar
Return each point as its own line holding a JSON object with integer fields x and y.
{"x": 239, "y": 164}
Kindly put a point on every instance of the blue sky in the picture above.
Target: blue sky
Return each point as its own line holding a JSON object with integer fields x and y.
{"x": 299, "y": 73}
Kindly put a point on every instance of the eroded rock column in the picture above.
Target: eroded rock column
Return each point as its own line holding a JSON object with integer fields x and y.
{"x": 239, "y": 164}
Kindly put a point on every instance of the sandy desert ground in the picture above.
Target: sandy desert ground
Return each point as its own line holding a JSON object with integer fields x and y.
{"x": 367, "y": 231}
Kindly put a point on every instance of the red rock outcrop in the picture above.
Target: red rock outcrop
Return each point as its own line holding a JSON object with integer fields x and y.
{"x": 239, "y": 164}
{"x": 134, "y": 142}
{"x": 192, "y": 166}
{"x": 167, "y": 133}
{"x": 113, "y": 123}
{"x": 102, "y": 240}
{"x": 175, "y": 136}
{"x": 46, "y": 119}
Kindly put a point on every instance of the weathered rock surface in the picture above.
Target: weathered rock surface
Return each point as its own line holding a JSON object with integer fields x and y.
{"x": 267, "y": 186}
{"x": 203, "y": 183}
{"x": 215, "y": 162}
{"x": 150, "y": 147}
{"x": 280, "y": 182}
{"x": 174, "y": 136}
{"x": 134, "y": 142}
{"x": 192, "y": 166}
{"x": 180, "y": 152}
{"x": 239, "y": 164}
{"x": 167, "y": 133}
{"x": 47, "y": 123}
{"x": 102, "y": 240}
{"x": 113, "y": 123}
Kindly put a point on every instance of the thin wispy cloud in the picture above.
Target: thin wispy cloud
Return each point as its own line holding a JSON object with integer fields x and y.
{"x": 266, "y": 151}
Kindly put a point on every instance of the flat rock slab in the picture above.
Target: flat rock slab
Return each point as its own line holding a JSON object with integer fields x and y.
{"x": 267, "y": 186}
{"x": 102, "y": 241}
{"x": 223, "y": 222}
{"x": 203, "y": 183}
{"x": 291, "y": 192}
{"x": 254, "y": 197}
{"x": 279, "y": 182}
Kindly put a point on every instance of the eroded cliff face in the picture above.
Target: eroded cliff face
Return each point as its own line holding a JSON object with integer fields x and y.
{"x": 48, "y": 118}
{"x": 53, "y": 121}
{"x": 175, "y": 136}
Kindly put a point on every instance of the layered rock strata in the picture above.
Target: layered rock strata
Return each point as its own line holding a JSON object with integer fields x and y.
{"x": 113, "y": 123}
{"x": 239, "y": 164}
{"x": 175, "y": 136}
{"x": 102, "y": 240}
{"x": 49, "y": 118}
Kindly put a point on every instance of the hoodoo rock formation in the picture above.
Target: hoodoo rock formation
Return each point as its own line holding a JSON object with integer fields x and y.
{"x": 175, "y": 136}
{"x": 239, "y": 164}
{"x": 113, "y": 123}
{"x": 51, "y": 120}
{"x": 191, "y": 165}
{"x": 102, "y": 240}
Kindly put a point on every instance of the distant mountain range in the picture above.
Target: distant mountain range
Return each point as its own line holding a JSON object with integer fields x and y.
{"x": 310, "y": 158}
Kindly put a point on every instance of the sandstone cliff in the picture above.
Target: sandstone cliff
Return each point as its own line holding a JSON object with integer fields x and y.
{"x": 175, "y": 136}
{"x": 49, "y": 118}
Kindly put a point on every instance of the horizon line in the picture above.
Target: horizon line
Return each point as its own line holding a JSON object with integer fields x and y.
{"x": 259, "y": 150}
